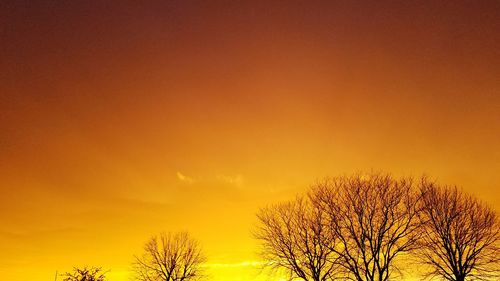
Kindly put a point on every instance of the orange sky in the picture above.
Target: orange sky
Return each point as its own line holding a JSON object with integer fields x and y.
{"x": 121, "y": 120}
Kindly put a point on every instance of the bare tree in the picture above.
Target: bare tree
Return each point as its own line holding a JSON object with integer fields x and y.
{"x": 85, "y": 274}
{"x": 375, "y": 220}
{"x": 170, "y": 257}
{"x": 460, "y": 235}
{"x": 294, "y": 238}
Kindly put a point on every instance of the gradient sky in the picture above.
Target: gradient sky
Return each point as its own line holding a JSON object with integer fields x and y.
{"x": 121, "y": 119}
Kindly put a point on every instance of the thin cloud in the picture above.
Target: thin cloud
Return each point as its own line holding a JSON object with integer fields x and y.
{"x": 184, "y": 178}
{"x": 238, "y": 264}
{"x": 232, "y": 180}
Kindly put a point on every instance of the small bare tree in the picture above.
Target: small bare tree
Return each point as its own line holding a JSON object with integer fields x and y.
{"x": 294, "y": 238}
{"x": 85, "y": 274}
{"x": 170, "y": 257}
{"x": 375, "y": 220}
{"x": 461, "y": 235}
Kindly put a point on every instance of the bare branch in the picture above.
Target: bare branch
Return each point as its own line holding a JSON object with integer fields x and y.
{"x": 85, "y": 274}
{"x": 375, "y": 219}
{"x": 460, "y": 235}
{"x": 295, "y": 238}
{"x": 169, "y": 257}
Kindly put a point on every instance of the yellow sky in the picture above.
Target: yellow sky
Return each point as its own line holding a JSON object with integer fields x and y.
{"x": 121, "y": 121}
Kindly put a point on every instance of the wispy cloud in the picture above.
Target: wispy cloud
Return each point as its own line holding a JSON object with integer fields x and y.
{"x": 237, "y": 264}
{"x": 236, "y": 180}
{"x": 184, "y": 178}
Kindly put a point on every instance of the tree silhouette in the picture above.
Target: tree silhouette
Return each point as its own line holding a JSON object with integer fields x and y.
{"x": 85, "y": 274}
{"x": 374, "y": 218}
{"x": 294, "y": 238}
{"x": 169, "y": 257}
{"x": 460, "y": 235}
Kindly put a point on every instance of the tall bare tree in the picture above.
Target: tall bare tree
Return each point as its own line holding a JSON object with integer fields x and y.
{"x": 294, "y": 238}
{"x": 461, "y": 235}
{"x": 375, "y": 220}
{"x": 170, "y": 257}
{"x": 85, "y": 274}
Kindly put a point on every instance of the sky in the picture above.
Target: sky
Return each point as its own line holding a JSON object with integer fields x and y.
{"x": 123, "y": 119}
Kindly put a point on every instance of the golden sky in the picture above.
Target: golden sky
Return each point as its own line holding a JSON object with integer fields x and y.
{"x": 121, "y": 119}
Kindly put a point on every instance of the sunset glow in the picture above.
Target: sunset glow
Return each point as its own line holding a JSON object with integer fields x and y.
{"x": 123, "y": 119}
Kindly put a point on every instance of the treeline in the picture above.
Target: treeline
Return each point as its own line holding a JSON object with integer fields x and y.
{"x": 168, "y": 257}
{"x": 371, "y": 227}
{"x": 361, "y": 227}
